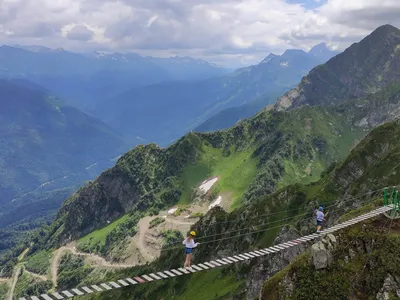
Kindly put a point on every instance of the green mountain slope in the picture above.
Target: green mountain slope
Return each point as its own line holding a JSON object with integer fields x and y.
{"x": 252, "y": 159}
{"x": 364, "y": 266}
{"x": 344, "y": 187}
{"x": 45, "y": 145}
{"x": 364, "y": 263}
{"x": 364, "y": 68}
{"x": 257, "y": 162}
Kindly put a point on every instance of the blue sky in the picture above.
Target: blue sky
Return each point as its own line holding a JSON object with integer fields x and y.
{"x": 228, "y": 32}
{"x": 308, "y": 4}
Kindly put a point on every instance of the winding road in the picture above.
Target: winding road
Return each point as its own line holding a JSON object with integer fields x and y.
{"x": 148, "y": 253}
{"x": 14, "y": 283}
{"x": 55, "y": 264}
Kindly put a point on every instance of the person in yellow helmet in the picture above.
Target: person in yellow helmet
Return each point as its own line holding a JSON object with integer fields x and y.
{"x": 189, "y": 244}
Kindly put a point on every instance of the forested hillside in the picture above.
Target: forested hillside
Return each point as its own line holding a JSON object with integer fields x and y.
{"x": 46, "y": 150}
{"x": 346, "y": 189}
{"x": 316, "y": 147}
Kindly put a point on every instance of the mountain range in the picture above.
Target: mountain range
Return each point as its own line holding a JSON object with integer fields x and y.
{"x": 36, "y": 182}
{"x": 279, "y": 147}
{"x": 82, "y": 79}
{"x": 330, "y": 140}
{"x": 360, "y": 70}
{"x": 304, "y": 151}
{"x": 47, "y": 145}
{"x": 163, "y": 112}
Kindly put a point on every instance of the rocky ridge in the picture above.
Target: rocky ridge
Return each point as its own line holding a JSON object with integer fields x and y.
{"x": 364, "y": 68}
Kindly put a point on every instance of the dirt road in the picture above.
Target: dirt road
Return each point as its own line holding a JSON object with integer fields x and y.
{"x": 143, "y": 241}
{"x": 14, "y": 283}
{"x": 148, "y": 253}
{"x": 38, "y": 276}
{"x": 98, "y": 260}
{"x": 17, "y": 272}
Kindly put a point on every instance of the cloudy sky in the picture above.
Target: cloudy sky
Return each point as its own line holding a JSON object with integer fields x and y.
{"x": 229, "y": 32}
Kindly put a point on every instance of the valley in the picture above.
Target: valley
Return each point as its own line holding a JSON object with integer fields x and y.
{"x": 150, "y": 111}
{"x": 144, "y": 247}
{"x": 329, "y": 141}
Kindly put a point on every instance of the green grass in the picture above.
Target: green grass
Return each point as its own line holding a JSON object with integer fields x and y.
{"x": 235, "y": 173}
{"x": 28, "y": 285}
{"x": 210, "y": 285}
{"x": 99, "y": 236}
{"x": 3, "y": 290}
{"x": 39, "y": 262}
{"x": 156, "y": 222}
{"x": 196, "y": 215}
{"x": 298, "y": 172}
{"x": 22, "y": 284}
{"x": 362, "y": 210}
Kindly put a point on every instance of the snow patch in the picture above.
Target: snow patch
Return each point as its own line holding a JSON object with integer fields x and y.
{"x": 172, "y": 210}
{"x": 363, "y": 122}
{"x": 215, "y": 203}
{"x": 284, "y": 64}
{"x": 92, "y": 165}
{"x": 206, "y": 185}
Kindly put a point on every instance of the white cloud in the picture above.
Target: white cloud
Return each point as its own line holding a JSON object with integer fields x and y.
{"x": 218, "y": 30}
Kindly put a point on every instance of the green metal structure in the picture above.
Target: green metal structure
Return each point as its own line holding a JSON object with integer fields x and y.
{"x": 391, "y": 199}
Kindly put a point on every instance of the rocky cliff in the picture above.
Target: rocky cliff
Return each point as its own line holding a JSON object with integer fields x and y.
{"x": 364, "y": 68}
{"x": 357, "y": 263}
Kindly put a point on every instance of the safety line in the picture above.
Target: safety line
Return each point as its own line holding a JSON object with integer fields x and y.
{"x": 255, "y": 225}
{"x": 142, "y": 279}
{"x": 344, "y": 199}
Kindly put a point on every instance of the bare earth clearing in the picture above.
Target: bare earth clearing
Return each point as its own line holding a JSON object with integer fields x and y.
{"x": 146, "y": 245}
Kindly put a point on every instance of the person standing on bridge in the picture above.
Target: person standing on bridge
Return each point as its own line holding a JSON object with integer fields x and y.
{"x": 189, "y": 244}
{"x": 320, "y": 218}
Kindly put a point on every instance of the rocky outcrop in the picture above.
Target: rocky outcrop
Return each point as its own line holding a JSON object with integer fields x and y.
{"x": 391, "y": 286}
{"x": 321, "y": 252}
{"x": 269, "y": 265}
{"x": 364, "y": 68}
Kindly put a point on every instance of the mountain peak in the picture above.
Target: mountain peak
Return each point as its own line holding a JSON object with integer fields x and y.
{"x": 381, "y": 33}
{"x": 319, "y": 47}
{"x": 291, "y": 52}
{"x": 322, "y": 52}
{"x": 365, "y": 67}
{"x": 386, "y": 28}
{"x": 268, "y": 58}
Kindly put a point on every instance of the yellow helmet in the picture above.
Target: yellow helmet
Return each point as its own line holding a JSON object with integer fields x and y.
{"x": 193, "y": 233}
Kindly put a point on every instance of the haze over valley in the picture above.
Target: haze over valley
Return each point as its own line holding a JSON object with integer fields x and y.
{"x": 126, "y": 125}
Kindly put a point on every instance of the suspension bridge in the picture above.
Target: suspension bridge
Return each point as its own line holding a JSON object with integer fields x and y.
{"x": 390, "y": 208}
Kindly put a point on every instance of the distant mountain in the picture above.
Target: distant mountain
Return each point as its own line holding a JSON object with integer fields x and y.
{"x": 322, "y": 52}
{"x": 299, "y": 153}
{"x": 46, "y": 145}
{"x": 84, "y": 78}
{"x": 230, "y": 116}
{"x": 165, "y": 111}
{"x": 364, "y": 68}
{"x": 296, "y": 61}
{"x": 264, "y": 153}
{"x": 184, "y": 68}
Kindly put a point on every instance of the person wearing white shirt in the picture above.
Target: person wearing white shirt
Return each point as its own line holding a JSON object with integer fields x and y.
{"x": 320, "y": 218}
{"x": 189, "y": 244}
